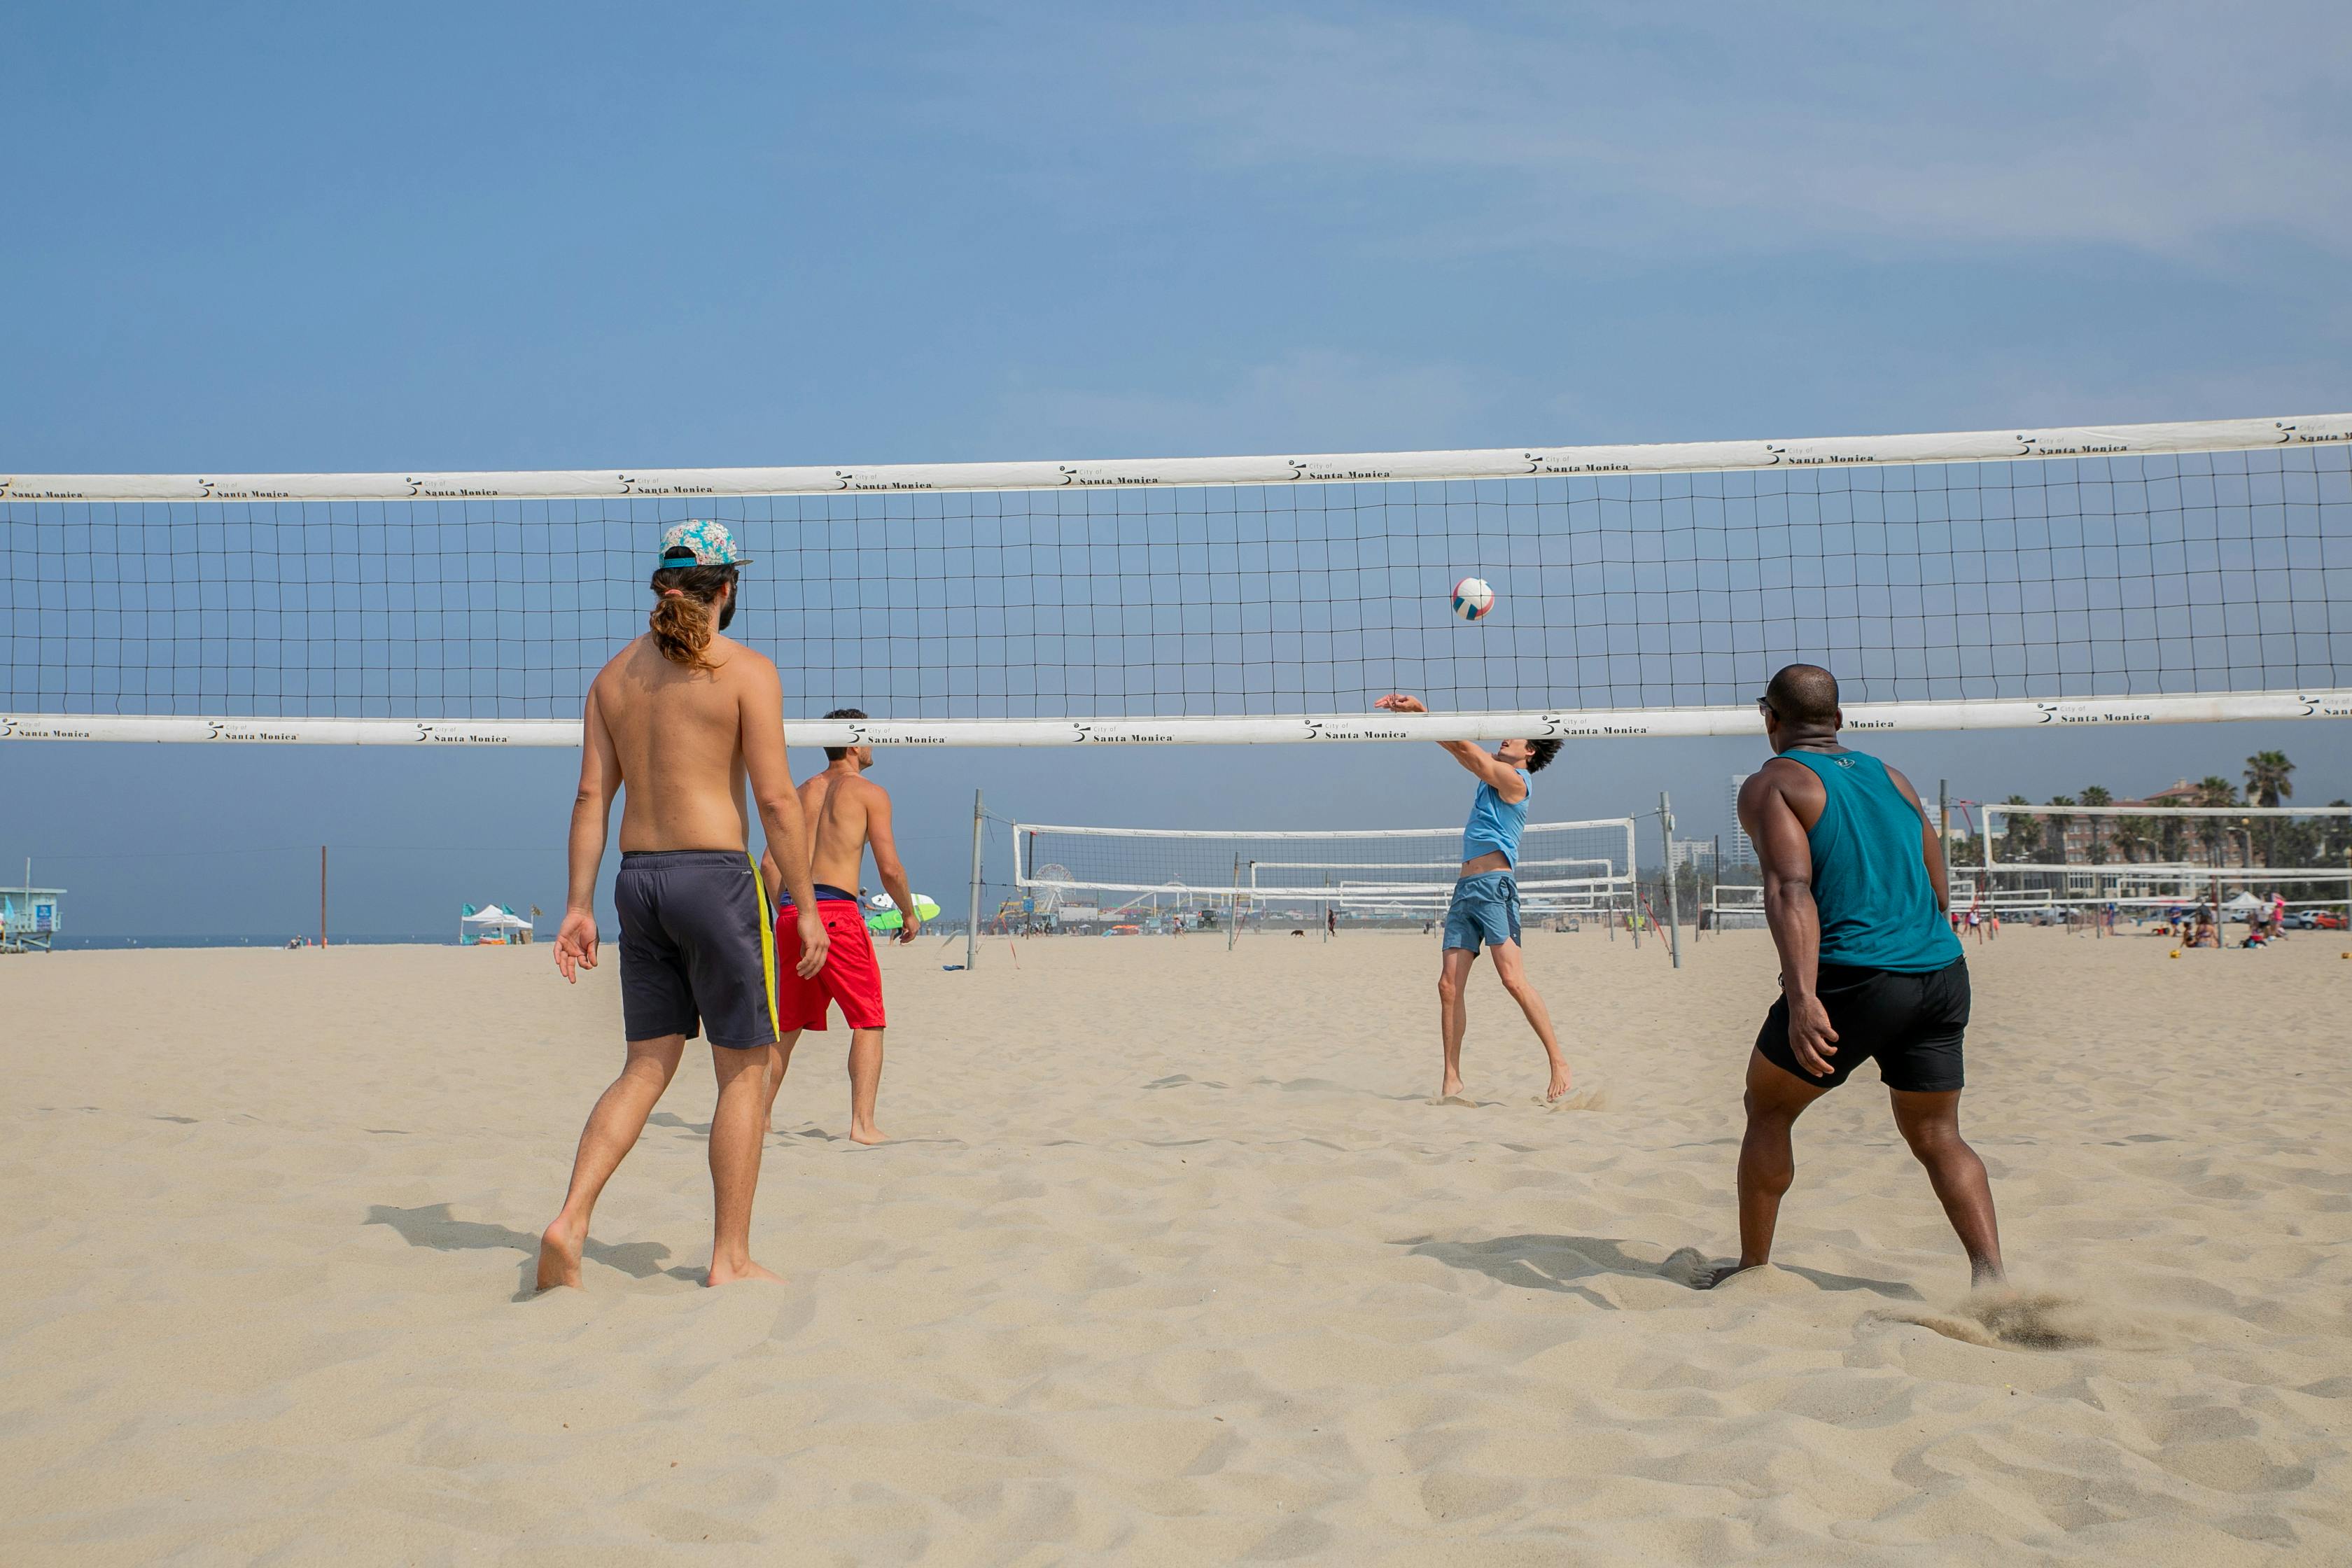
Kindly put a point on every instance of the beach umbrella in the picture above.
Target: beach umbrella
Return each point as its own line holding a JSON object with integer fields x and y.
{"x": 885, "y": 915}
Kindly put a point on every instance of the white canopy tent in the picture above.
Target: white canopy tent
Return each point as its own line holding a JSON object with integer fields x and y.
{"x": 489, "y": 921}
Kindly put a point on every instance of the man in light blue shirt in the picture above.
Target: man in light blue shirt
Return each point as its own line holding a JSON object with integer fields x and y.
{"x": 1485, "y": 905}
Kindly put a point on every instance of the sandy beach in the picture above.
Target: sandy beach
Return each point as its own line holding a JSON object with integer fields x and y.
{"x": 1172, "y": 1260}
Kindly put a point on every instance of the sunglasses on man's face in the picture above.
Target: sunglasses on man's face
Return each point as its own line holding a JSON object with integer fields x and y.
{"x": 1764, "y": 706}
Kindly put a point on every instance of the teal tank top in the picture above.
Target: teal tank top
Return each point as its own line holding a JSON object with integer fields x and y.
{"x": 1495, "y": 822}
{"x": 1870, "y": 881}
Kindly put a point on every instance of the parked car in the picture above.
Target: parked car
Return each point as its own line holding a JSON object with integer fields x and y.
{"x": 2313, "y": 920}
{"x": 1124, "y": 931}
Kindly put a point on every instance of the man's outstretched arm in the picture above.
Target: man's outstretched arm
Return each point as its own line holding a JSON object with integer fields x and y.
{"x": 1471, "y": 755}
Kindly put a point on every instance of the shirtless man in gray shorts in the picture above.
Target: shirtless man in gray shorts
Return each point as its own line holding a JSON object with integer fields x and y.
{"x": 682, "y": 717}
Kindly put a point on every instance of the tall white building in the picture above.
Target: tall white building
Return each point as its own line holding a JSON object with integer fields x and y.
{"x": 1737, "y": 851}
{"x": 1699, "y": 852}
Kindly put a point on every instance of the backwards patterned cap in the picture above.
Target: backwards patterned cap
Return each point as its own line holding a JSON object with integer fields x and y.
{"x": 708, "y": 543}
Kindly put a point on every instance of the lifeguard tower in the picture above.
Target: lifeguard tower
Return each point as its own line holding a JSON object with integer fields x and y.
{"x": 30, "y": 918}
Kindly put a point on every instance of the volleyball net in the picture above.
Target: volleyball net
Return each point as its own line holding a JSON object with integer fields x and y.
{"x": 2116, "y": 574}
{"x": 2153, "y": 858}
{"x": 1080, "y": 876}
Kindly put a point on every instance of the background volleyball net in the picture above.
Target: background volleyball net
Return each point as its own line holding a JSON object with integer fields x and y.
{"x": 2145, "y": 857}
{"x": 1078, "y": 876}
{"x": 2116, "y": 574}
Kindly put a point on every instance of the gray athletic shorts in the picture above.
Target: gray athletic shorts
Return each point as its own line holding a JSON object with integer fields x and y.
{"x": 695, "y": 947}
{"x": 1485, "y": 908}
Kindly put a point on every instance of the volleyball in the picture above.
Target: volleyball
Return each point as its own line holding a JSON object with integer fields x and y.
{"x": 1472, "y": 598}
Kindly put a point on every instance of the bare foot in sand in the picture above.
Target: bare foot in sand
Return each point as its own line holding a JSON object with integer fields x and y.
{"x": 734, "y": 1273}
{"x": 1721, "y": 1272}
{"x": 865, "y": 1134}
{"x": 559, "y": 1256}
{"x": 1559, "y": 1089}
{"x": 1451, "y": 1089}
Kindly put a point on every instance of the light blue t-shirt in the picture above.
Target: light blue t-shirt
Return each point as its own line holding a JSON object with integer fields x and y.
{"x": 1495, "y": 822}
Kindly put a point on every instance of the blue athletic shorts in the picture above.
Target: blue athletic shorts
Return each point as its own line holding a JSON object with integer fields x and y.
{"x": 695, "y": 950}
{"x": 1485, "y": 908}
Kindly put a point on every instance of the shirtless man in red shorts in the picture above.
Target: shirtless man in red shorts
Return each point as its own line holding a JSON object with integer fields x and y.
{"x": 845, "y": 811}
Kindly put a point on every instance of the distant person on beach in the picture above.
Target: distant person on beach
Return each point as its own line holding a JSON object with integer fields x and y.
{"x": 680, "y": 720}
{"x": 1869, "y": 967}
{"x": 845, "y": 811}
{"x": 1485, "y": 903}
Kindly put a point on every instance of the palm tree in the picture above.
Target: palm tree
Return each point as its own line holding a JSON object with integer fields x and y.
{"x": 2014, "y": 843}
{"x": 2096, "y": 794}
{"x": 2213, "y": 791}
{"x": 2132, "y": 835}
{"x": 2267, "y": 779}
{"x": 2053, "y": 831}
{"x": 2268, "y": 784}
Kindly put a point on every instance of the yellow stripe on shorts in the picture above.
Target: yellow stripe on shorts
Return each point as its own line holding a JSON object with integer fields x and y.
{"x": 767, "y": 946}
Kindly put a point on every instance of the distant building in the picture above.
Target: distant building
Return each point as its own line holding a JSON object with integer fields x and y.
{"x": 1698, "y": 852}
{"x": 1738, "y": 852}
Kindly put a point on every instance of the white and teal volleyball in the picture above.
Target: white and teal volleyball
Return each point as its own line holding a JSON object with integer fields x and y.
{"x": 1472, "y": 598}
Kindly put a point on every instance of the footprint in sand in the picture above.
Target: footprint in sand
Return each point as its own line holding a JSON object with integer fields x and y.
{"x": 1766, "y": 1279}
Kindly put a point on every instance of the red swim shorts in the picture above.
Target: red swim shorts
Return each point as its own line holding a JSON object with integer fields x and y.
{"x": 850, "y": 976}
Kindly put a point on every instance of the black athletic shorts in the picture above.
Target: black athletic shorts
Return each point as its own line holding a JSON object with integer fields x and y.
{"x": 1911, "y": 1023}
{"x": 695, "y": 947}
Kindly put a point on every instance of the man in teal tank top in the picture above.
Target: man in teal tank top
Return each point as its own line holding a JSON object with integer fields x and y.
{"x": 1485, "y": 904}
{"x": 1855, "y": 893}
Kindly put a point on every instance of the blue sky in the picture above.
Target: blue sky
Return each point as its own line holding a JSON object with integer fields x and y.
{"x": 293, "y": 238}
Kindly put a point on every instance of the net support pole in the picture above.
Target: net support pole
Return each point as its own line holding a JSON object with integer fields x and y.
{"x": 1234, "y": 922}
{"x": 972, "y": 926}
{"x": 1944, "y": 834}
{"x": 1673, "y": 904}
{"x": 322, "y": 895}
{"x": 1714, "y": 884}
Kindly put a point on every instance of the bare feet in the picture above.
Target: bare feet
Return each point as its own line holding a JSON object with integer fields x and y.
{"x": 1716, "y": 1275}
{"x": 1452, "y": 1089}
{"x": 732, "y": 1273}
{"x": 865, "y": 1134}
{"x": 559, "y": 1256}
{"x": 1559, "y": 1089}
